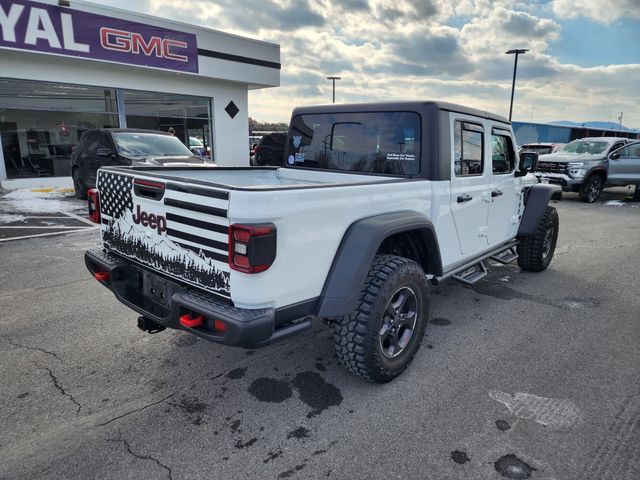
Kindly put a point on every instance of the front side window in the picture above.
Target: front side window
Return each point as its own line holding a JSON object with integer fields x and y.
{"x": 502, "y": 156}
{"x": 630, "y": 151}
{"x": 146, "y": 144}
{"x": 371, "y": 142}
{"x": 469, "y": 148}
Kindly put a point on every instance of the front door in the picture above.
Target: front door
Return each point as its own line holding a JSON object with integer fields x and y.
{"x": 504, "y": 204}
{"x": 625, "y": 167}
{"x": 470, "y": 185}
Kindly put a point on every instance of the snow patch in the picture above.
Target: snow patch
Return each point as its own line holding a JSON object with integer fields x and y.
{"x": 40, "y": 202}
{"x": 11, "y": 218}
{"x": 615, "y": 203}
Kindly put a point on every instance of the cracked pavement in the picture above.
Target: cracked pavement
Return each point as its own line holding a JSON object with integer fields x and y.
{"x": 84, "y": 394}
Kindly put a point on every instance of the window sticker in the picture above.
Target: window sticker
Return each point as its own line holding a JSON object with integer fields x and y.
{"x": 299, "y": 157}
{"x": 297, "y": 140}
{"x": 291, "y": 160}
{"x": 401, "y": 157}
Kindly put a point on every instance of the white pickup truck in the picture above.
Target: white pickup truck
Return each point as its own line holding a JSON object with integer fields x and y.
{"x": 372, "y": 203}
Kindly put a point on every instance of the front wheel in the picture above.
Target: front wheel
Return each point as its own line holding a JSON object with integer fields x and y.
{"x": 536, "y": 252}
{"x": 591, "y": 189}
{"x": 380, "y": 338}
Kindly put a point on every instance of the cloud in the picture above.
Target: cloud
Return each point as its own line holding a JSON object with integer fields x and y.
{"x": 597, "y": 10}
{"x": 429, "y": 49}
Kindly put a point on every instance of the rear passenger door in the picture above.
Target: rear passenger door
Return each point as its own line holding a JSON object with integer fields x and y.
{"x": 503, "y": 206}
{"x": 470, "y": 183}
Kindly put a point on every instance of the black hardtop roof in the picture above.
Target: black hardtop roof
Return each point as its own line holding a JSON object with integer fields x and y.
{"x": 127, "y": 130}
{"x": 398, "y": 106}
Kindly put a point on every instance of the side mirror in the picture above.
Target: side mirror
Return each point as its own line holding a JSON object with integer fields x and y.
{"x": 528, "y": 163}
{"x": 104, "y": 152}
{"x": 614, "y": 156}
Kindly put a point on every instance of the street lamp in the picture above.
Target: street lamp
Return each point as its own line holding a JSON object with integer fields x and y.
{"x": 517, "y": 51}
{"x": 334, "y": 86}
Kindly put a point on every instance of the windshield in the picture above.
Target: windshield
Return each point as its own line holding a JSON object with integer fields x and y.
{"x": 374, "y": 142}
{"x": 149, "y": 145}
{"x": 590, "y": 147}
{"x": 195, "y": 142}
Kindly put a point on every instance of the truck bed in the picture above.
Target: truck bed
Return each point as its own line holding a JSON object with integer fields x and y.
{"x": 257, "y": 178}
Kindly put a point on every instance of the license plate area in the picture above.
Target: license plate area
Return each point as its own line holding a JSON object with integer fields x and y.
{"x": 157, "y": 289}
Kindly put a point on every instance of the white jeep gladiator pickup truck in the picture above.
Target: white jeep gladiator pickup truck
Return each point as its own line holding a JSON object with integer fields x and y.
{"x": 373, "y": 202}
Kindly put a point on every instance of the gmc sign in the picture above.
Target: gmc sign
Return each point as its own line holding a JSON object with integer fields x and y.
{"x": 27, "y": 25}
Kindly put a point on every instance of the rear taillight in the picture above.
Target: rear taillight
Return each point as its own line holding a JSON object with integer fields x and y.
{"x": 252, "y": 248}
{"x": 93, "y": 201}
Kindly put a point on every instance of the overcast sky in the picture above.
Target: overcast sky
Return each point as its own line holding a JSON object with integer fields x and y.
{"x": 584, "y": 63}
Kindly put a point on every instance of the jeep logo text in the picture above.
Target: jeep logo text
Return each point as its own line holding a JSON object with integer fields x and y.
{"x": 150, "y": 220}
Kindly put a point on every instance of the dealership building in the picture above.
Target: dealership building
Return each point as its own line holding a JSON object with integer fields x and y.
{"x": 70, "y": 66}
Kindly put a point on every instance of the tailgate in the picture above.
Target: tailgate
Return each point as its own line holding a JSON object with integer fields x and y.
{"x": 172, "y": 227}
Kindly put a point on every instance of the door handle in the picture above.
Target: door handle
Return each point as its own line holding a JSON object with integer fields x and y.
{"x": 496, "y": 193}
{"x": 464, "y": 198}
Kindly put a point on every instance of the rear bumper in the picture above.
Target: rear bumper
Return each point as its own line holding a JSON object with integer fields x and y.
{"x": 244, "y": 327}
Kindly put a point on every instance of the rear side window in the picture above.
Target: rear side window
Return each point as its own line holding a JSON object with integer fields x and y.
{"x": 469, "y": 149}
{"x": 371, "y": 142}
{"x": 502, "y": 154}
{"x": 90, "y": 142}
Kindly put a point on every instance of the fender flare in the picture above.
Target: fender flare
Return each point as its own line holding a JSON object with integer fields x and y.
{"x": 360, "y": 243}
{"x": 536, "y": 201}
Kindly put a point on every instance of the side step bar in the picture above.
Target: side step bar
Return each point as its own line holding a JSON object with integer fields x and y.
{"x": 506, "y": 257}
{"x": 460, "y": 270}
{"x": 472, "y": 274}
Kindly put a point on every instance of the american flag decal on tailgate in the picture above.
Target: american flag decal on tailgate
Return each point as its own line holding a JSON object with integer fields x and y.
{"x": 194, "y": 246}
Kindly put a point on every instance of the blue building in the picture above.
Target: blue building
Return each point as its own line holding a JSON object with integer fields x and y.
{"x": 564, "y": 132}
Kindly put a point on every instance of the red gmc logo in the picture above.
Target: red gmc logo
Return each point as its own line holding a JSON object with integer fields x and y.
{"x": 132, "y": 42}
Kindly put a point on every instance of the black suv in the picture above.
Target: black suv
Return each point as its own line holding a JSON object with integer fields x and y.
{"x": 270, "y": 150}
{"x": 124, "y": 146}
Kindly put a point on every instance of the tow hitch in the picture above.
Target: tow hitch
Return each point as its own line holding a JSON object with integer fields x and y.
{"x": 149, "y": 326}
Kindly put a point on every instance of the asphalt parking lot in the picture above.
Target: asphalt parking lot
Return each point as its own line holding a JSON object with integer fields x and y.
{"x": 523, "y": 376}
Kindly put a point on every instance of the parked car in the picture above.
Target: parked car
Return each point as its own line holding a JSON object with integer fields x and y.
{"x": 374, "y": 202}
{"x": 198, "y": 149}
{"x": 270, "y": 150}
{"x": 583, "y": 166}
{"x": 122, "y": 147}
{"x": 540, "y": 148}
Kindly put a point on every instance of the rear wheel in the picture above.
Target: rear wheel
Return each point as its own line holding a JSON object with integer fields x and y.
{"x": 78, "y": 186}
{"x": 536, "y": 252}
{"x": 379, "y": 340}
{"x": 591, "y": 189}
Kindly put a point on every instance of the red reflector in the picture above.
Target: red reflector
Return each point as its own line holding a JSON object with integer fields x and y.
{"x": 241, "y": 261}
{"x": 101, "y": 276}
{"x": 93, "y": 201}
{"x": 148, "y": 183}
{"x": 191, "y": 322}
{"x": 220, "y": 325}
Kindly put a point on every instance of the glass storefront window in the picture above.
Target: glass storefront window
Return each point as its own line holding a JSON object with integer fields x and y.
{"x": 33, "y": 95}
{"x": 186, "y": 117}
{"x": 39, "y": 143}
{"x": 41, "y": 122}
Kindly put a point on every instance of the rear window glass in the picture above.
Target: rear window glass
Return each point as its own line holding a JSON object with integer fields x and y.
{"x": 373, "y": 142}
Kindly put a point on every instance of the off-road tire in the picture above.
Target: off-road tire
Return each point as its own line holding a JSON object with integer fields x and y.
{"x": 78, "y": 186}
{"x": 591, "y": 189}
{"x": 356, "y": 336}
{"x": 534, "y": 254}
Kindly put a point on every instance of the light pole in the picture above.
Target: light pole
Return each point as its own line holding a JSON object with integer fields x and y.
{"x": 517, "y": 51}
{"x": 334, "y": 86}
